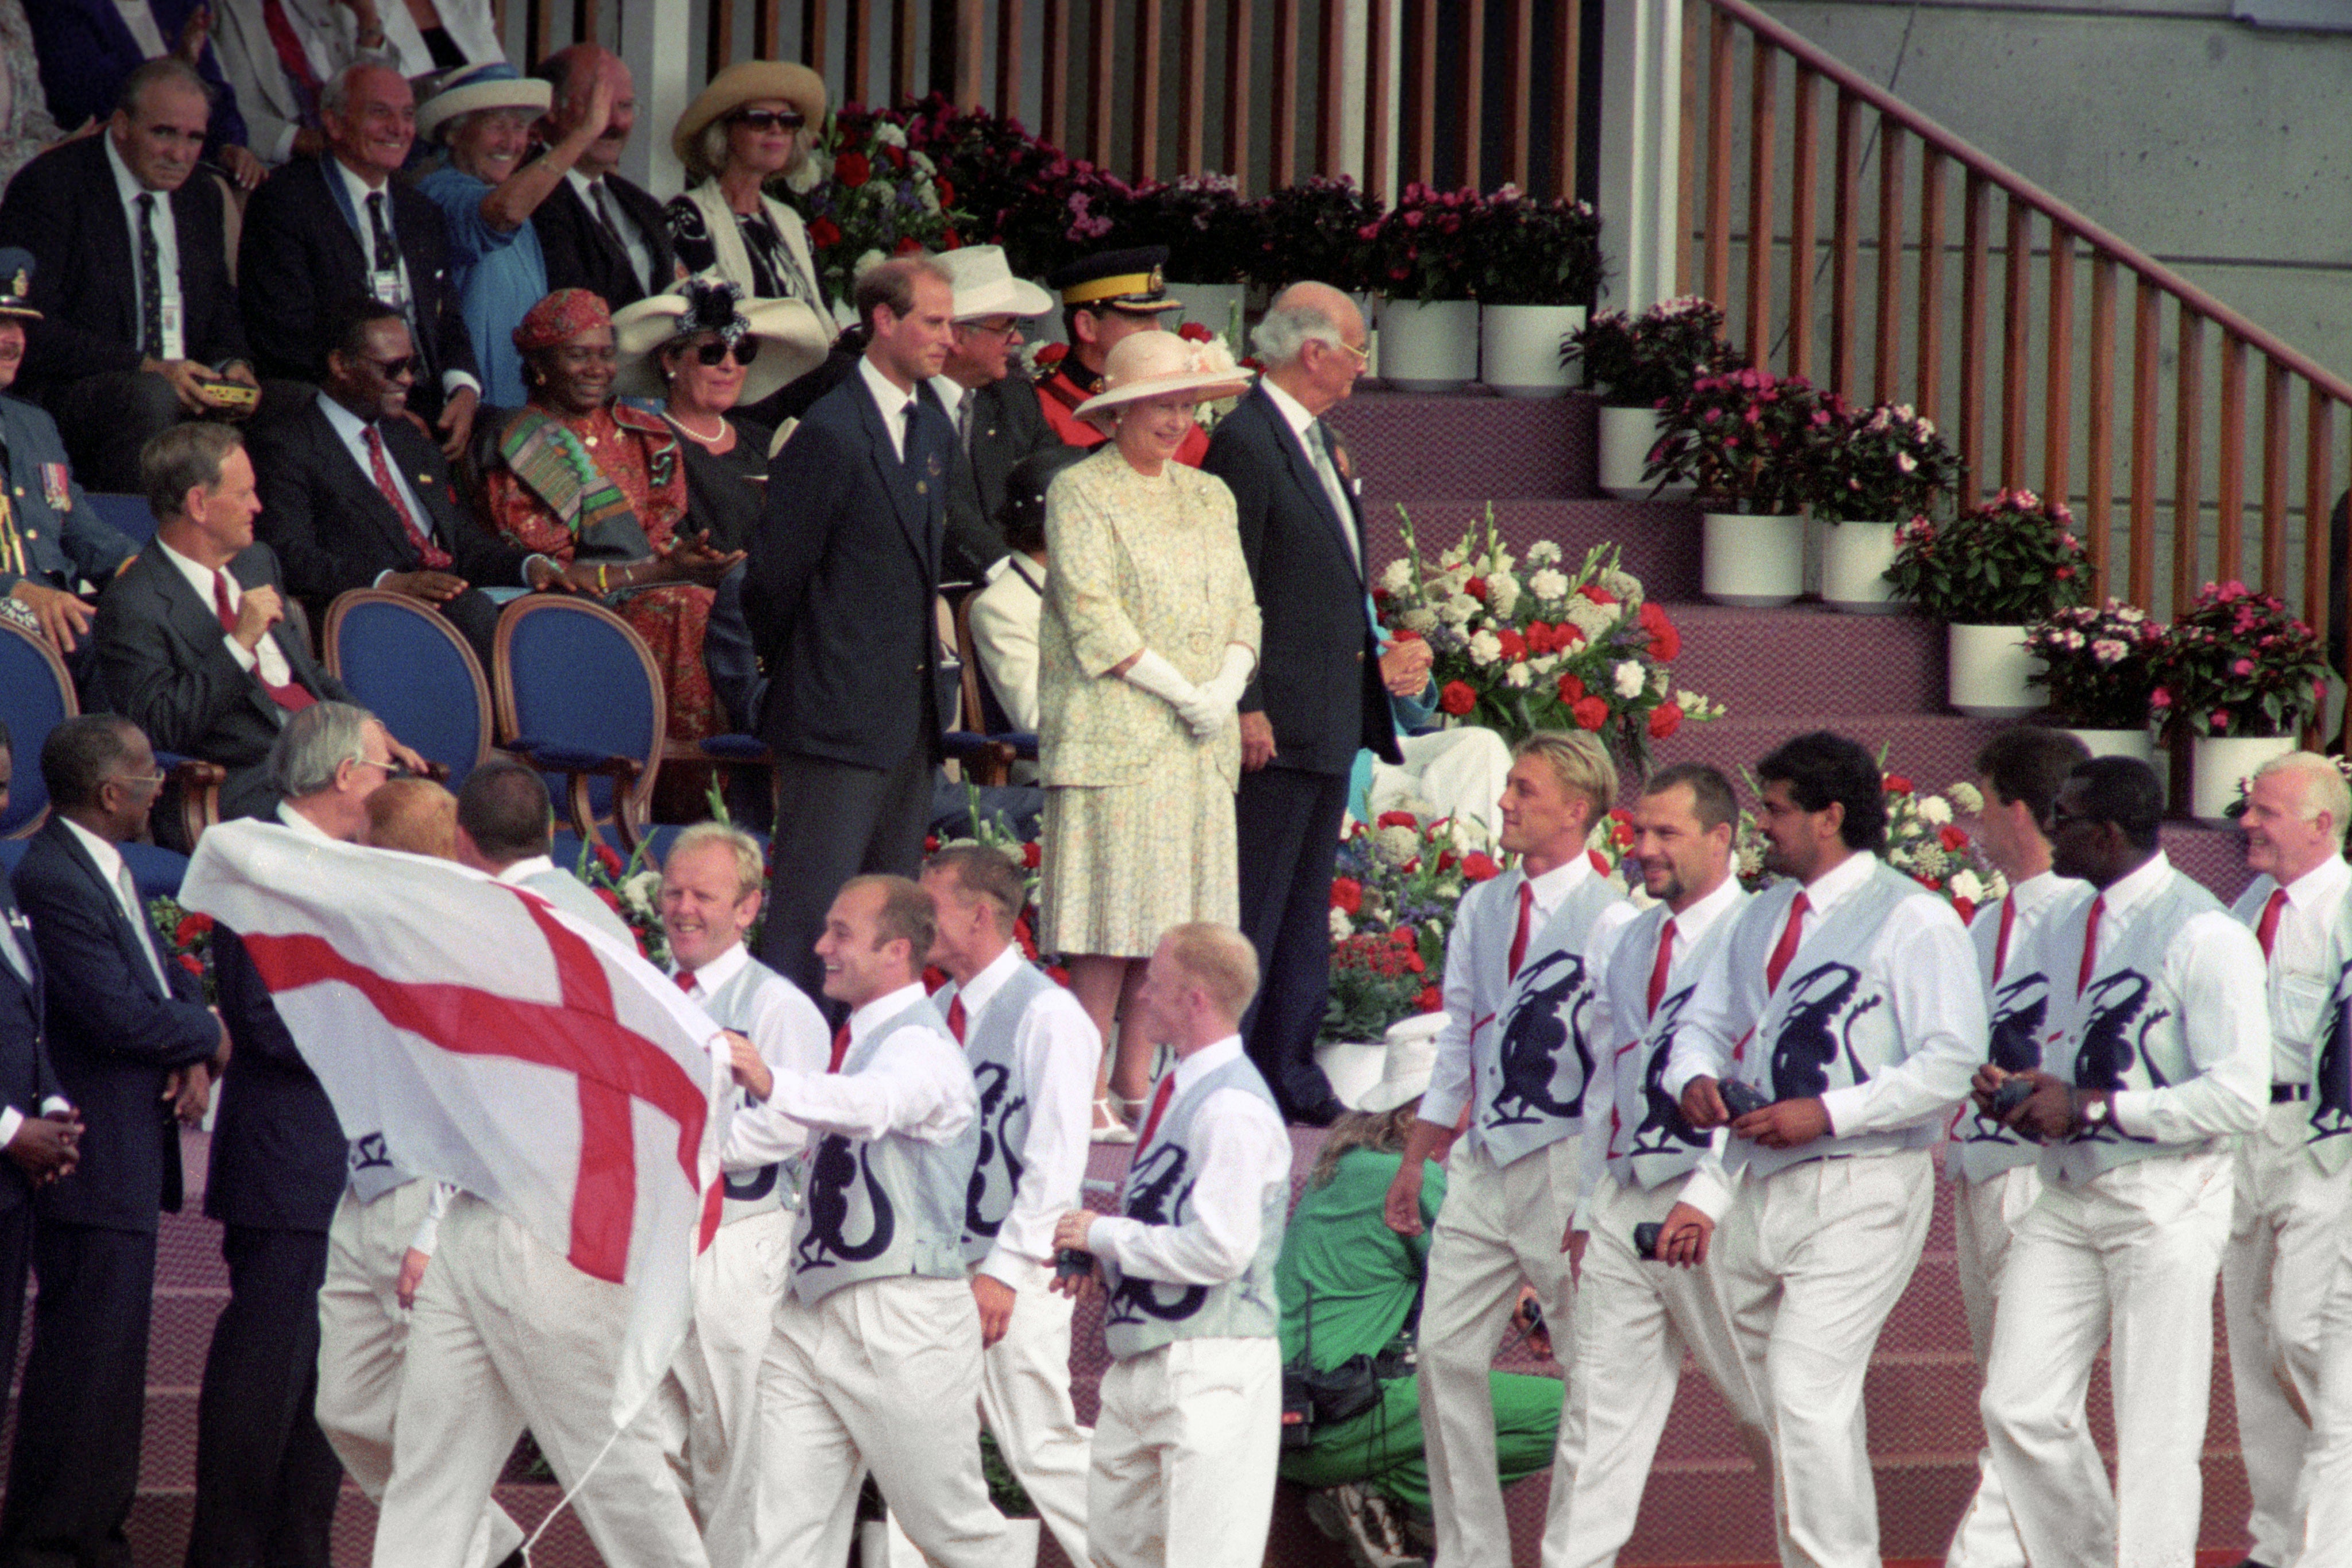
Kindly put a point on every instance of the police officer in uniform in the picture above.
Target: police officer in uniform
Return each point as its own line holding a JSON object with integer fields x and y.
{"x": 1105, "y": 297}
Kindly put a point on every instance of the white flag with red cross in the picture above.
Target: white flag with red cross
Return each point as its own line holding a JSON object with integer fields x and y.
{"x": 497, "y": 1044}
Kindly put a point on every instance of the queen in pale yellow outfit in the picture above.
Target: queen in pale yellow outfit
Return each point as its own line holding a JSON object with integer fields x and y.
{"x": 1148, "y": 633}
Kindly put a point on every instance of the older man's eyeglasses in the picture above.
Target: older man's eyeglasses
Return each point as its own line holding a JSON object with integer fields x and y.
{"x": 714, "y": 352}
{"x": 768, "y": 119}
{"x": 140, "y": 783}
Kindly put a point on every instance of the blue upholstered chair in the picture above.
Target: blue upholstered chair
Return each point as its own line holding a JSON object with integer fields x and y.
{"x": 409, "y": 667}
{"x": 36, "y": 696}
{"x": 129, "y": 514}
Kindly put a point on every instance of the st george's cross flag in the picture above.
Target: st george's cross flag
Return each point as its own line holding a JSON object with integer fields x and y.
{"x": 497, "y": 1044}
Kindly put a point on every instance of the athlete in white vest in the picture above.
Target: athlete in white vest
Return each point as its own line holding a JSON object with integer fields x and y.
{"x": 1190, "y": 1424}
{"x": 874, "y": 1361}
{"x": 1993, "y": 1169}
{"x": 1032, "y": 1051}
{"x": 2294, "y": 1186}
{"x": 1523, "y": 1026}
{"x": 2158, "y": 1052}
{"x": 1637, "y": 1312}
{"x": 1848, "y": 999}
{"x": 2327, "y": 1466}
{"x": 706, "y": 1410}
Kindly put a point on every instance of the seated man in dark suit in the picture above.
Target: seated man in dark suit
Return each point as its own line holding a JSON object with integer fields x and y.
{"x": 597, "y": 231}
{"x": 996, "y": 416}
{"x": 324, "y": 229}
{"x": 132, "y": 1039}
{"x": 190, "y": 638}
{"x": 354, "y": 496}
{"x": 139, "y": 325}
{"x": 50, "y": 536}
{"x": 266, "y": 1479}
{"x": 86, "y": 48}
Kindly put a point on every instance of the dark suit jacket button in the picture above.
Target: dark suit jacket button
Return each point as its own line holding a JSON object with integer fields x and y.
{"x": 1360, "y": 655}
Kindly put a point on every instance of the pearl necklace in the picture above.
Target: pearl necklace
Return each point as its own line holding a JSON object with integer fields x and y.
{"x": 707, "y": 442}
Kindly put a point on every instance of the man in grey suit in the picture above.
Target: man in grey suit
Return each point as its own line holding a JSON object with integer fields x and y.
{"x": 506, "y": 826}
{"x": 995, "y": 413}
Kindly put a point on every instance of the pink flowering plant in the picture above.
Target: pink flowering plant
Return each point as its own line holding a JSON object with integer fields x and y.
{"x": 2009, "y": 562}
{"x": 2097, "y": 662}
{"x": 1650, "y": 359}
{"x": 2237, "y": 663}
{"x": 1741, "y": 438}
{"x": 1876, "y": 465}
{"x": 1421, "y": 252}
{"x": 1323, "y": 229}
{"x": 1524, "y": 251}
{"x": 1210, "y": 233}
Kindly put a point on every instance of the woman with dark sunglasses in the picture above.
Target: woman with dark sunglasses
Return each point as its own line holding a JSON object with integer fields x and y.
{"x": 755, "y": 122}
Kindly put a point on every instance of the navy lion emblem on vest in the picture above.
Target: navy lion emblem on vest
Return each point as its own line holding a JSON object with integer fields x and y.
{"x": 838, "y": 1163}
{"x": 1663, "y": 1130}
{"x": 2020, "y": 1011}
{"x": 1549, "y": 1017}
{"x": 2331, "y": 1112}
{"x": 1156, "y": 1191}
{"x": 1818, "y": 1025}
{"x": 997, "y": 1105}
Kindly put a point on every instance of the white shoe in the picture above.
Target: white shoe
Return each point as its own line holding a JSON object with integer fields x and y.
{"x": 1109, "y": 1128}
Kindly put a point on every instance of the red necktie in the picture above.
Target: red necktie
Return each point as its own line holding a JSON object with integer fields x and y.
{"x": 685, "y": 979}
{"x": 956, "y": 1016}
{"x": 2267, "y": 932}
{"x": 1166, "y": 1093}
{"x": 292, "y": 696}
{"x": 431, "y": 556}
{"x": 840, "y": 1049}
{"x": 2001, "y": 941}
{"x": 1665, "y": 961}
{"x": 1520, "y": 937}
{"x": 1786, "y": 949}
{"x": 2090, "y": 944}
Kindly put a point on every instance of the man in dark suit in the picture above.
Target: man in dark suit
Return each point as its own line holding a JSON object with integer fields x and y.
{"x": 322, "y": 230}
{"x": 138, "y": 325}
{"x": 86, "y": 47}
{"x": 838, "y": 593}
{"x": 266, "y": 1478}
{"x": 995, "y": 413}
{"x": 597, "y": 231}
{"x": 132, "y": 1039}
{"x": 354, "y": 496}
{"x": 39, "y": 1128}
{"x": 191, "y": 640}
{"x": 1317, "y": 694}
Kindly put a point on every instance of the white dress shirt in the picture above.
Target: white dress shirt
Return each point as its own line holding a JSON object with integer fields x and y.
{"x": 1240, "y": 1151}
{"x": 2304, "y": 959}
{"x": 632, "y": 239}
{"x": 128, "y": 190}
{"x": 1055, "y": 1049}
{"x": 1478, "y": 953}
{"x": 791, "y": 1036}
{"x": 917, "y": 1082}
{"x": 1302, "y": 424}
{"x": 895, "y": 404}
{"x": 109, "y": 861}
{"x": 1920, "y": 959}
{"x": 264, "y": 656}
{"x": 359, "y": 190}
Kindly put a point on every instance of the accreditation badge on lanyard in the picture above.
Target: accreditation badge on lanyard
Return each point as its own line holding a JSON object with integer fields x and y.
{"x": 389, "y": 288}
{"x": 175, "y": 332}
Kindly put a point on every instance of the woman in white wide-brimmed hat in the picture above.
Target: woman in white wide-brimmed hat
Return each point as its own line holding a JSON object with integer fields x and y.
{"x": 1149, "y": 632}
{"x": 703, "y": 353}
{"x": 754, "y": 120}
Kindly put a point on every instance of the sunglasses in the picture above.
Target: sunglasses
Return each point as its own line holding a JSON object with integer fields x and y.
{"x": 395, "y": 369}
{"x": 715, "y": 351}
{"x": 768, "y": 119}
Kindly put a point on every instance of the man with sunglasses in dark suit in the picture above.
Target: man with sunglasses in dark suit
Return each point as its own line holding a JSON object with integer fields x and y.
{"x": 353, "y": 495}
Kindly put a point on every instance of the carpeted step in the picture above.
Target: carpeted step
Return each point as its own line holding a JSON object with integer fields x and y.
{"x": 1469, "y": 445}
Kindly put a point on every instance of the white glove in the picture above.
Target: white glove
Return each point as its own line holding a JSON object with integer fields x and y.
{"x": 1234, "y": 678}
{"x": 1155, "y": 674}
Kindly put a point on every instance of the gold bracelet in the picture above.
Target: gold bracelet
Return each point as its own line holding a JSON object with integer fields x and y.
{"x": 601, "y": 588}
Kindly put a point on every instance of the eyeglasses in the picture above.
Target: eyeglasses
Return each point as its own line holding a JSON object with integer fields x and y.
{"x": 393, "y": 768}
{"x": 768, "y": 119}
{"x": 711, "y": 353}
{"x": 407, "y": 365}
{"x": 138, "y": 781}
{"x": 1363, "y": 356}
{"x": 1006, "y": 327}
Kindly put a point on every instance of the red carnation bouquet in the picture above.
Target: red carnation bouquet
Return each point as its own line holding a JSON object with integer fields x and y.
{"x": 867, "y": 195}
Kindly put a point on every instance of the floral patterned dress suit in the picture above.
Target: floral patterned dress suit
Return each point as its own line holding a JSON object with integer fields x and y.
{"x": 1139, "y": 833}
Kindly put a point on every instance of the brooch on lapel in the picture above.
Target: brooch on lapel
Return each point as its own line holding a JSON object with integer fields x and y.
{"x": 1340, "y": 460}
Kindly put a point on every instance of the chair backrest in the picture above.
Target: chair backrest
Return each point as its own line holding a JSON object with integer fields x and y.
{"x": 568, "y": 671}
{"x": 409, "y": 667}
{"x": 981, "y": 711}
{"x": 36, "y": 696}
{"x": 129, "y": 514}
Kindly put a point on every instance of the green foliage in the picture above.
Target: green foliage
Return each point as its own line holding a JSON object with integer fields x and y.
{"x": 2010, "y": 562}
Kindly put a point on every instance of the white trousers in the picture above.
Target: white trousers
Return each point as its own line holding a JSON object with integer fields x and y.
{"x": 1634, "y": 1321}
{"x": 1497, "y": 1226}
{"x": 1024, "y": 1398}
{"x": 362, "y": 1338}
{"x": 705, "y": 1414}
{"x": 2326, "y": 1540}
{"x": 1811, "y": 1260}
{"x": 1985, "y": 1216}
{"x": 882, "y": 1376}
{"x": 2287, "y": 1225}
{"x": 2128, "y": 1259}
{"x": 508, "y": 1336}
{"x": 1460, "y": 771}
{"x": 1184, "y": 1453}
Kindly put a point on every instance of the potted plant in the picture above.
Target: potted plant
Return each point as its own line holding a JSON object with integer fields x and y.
{"x": 1866, "y": 471}
{"x": 1211, "y": 238}
{"x": 1988, "y": 573}
{"x": 1429, "y": 320}
{"x": 1637, "y": 365}
{"x": 1323, "y": 230}
{"x": 1738, "y": 438}
{"x": 2097, "y": 662}
{"x": 1535, "y": 269}
{"x": 2239, "y": 675}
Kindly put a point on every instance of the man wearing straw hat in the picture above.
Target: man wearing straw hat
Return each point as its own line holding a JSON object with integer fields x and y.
{"x": 995, "y": 413}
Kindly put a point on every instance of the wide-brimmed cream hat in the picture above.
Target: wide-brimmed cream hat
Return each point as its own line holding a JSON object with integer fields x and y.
{"x": 752, "y": 81}
{"x": 985, "y": 287}
{"x": 793, "y": 337}
{"x": 1411, "y": 1060}
{"x": 472, "y": 88}
{"x": 1153, "y": 364}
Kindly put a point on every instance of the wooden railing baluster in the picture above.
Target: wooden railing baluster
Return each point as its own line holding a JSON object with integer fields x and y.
{"x": 1470, "y": 18}
{"x": 1144, "y": 152}
{"x": 2318, "y": 503}
{"x": 1102, "y": 81}
{"x": 1719, "y": 93}
{"x": 2189, "y": 457}
{"x": 1803, "y": 207}
{"x": 1886, "y": 360}
{"x": 2099, "y": 445}
{"x": 2275, "y": 457}
{"x": 1192, "y": 92}
{"x": 1282, "y": 106}
{"x": 1238, "y": 91}
{"x": 1012, "y": 47}
{"x": 1328, "y": 154}
{"x": 2058, "y": 389}
{"x": 2230, "y": 484}
{"x": 2017, "y": 257}
{"x": 1931, "y": 281}
{"x": 1567, "y": 50}
{"x": 1845, "y": 244}
{"x": 1376, "y": 101}
{"x": 1420, "y": 81}
{"x": 1975, "y": 248}
{"x": 2148, "y": 329}
{"x": 1762, "y": 160}
{"x": 1519, "y": 126}
{"x": 1054, "y": 89}
{"x": 858, "y": 69}
{"x": 906, "y": 16}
